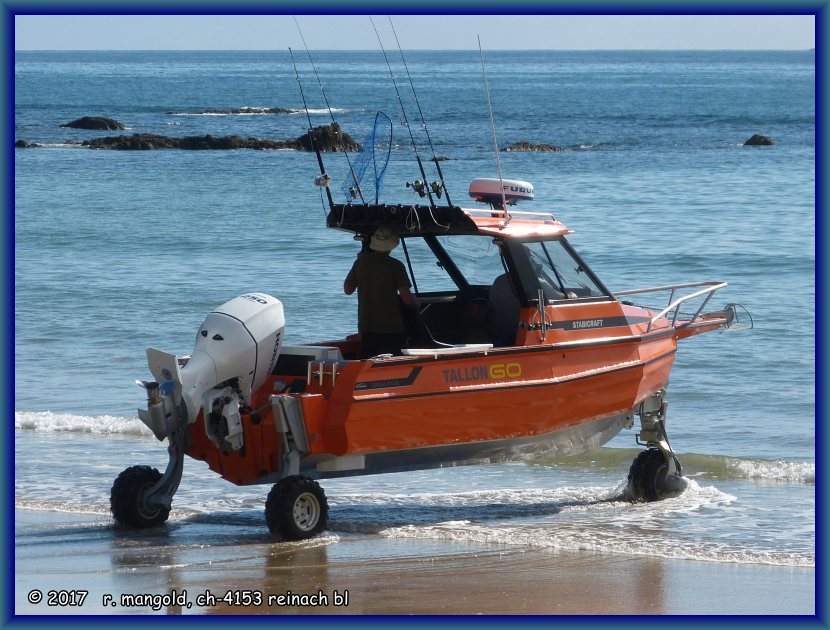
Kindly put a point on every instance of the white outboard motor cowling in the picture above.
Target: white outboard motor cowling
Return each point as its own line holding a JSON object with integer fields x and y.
{"x": 237, "y": 346}
{"x": 243, "y": 337}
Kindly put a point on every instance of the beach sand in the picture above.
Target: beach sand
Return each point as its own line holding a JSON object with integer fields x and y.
{"x": 202, "y": 561}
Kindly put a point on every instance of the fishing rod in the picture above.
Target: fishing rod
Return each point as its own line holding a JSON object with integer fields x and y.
{"x": 323, "y": 179}
{"x": 423, "y": 120}
{"x": 493, "y": 126}
{"x": 420, "y": 187}
{"x": 331, "y": 114}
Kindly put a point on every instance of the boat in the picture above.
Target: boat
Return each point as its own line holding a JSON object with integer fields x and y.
{"x": 517, "y": 349}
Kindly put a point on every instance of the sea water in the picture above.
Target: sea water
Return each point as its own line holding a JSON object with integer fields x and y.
{"x": 119, "y": 251}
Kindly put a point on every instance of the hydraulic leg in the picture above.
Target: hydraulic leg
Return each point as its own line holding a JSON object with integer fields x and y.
{"x": 141, "y": 496}
{"x": 656, "y": 472}
{"x": 160, "y": 495}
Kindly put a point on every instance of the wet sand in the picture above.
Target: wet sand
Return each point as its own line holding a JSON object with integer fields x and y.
{"x": 200, "y": 566}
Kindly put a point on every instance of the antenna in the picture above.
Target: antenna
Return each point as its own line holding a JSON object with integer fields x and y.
{"x": 322, "y": 91}
{"x": 322, "y": 180}
{"x": 420, "y": 188}
{"x": 421, "y": 113}
{"x": 493, "y": 125}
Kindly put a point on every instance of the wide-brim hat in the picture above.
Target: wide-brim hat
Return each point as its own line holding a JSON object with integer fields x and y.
{"x": 384, "y": 240}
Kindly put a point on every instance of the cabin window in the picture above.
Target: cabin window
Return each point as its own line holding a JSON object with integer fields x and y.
{"x": 560, "y": 272}
{"x": 477, "y": 257}
{"x": 428, "y": 276}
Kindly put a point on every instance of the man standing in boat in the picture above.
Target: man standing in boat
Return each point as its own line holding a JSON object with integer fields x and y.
{"x": 380, "y": 280}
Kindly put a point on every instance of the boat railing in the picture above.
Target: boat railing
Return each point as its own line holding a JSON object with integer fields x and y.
{"x": 544, "y": 217}
{"x": 674, "y": 302}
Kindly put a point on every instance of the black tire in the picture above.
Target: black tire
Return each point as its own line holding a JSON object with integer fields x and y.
{"x": 296, "y": 508}
{"x": 647, "y": 476}
{"x": 127, "y": 498}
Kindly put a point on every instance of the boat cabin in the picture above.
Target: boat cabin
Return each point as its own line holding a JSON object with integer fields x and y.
{"x": 479, "y": 275}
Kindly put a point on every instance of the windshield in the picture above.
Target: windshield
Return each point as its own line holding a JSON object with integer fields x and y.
{"x": 447, "y": 263}
{"x": 560, "y": 272}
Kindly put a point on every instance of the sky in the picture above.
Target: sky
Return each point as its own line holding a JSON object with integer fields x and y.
{"x": 430, "y": 32}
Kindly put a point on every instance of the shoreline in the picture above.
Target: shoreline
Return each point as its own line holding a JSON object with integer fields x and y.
{"x": 199, "y": 567}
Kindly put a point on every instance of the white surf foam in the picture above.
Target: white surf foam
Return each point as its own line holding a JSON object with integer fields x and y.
{"x": 778, "y": 470}
{"x": 623, "y": 528}
{"x": 316, "y": 111}
{"x": 45, "y": 505}
{"x": 61, "y": 145}
{"x": 570, "y": 538}
{"x": 49, "y": 422}
{"x": 256, "y": 111}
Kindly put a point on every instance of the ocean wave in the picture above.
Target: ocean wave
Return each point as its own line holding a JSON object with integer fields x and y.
{"x": 723, "y": 467}
{"x": 237, "y": 111}
{"x": 591, "y": 539}
{"x": 59, "y": 145}
{"x": 49, "y": 422}
{"x": 624, "y": 527}
{"x": 386, "y": 514}
{"x": 320, "y": 110}
{"x": 46, "y": 505}
{"x": 593, "y": 518}
{"x": 254, "y": 111}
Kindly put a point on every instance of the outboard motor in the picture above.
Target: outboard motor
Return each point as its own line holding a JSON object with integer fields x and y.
{"x": 237, "y": 346}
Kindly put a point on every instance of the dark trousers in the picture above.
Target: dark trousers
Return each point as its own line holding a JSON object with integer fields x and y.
{"x": 374, "y": 344}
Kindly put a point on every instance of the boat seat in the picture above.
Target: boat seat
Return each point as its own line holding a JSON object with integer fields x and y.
{"x": 506, "y": 308}
{"x": 476, "y": 321}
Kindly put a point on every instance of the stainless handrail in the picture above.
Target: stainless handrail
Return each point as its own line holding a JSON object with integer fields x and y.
{"x": 710, "y": 289}
{"x": 547, "y": 217}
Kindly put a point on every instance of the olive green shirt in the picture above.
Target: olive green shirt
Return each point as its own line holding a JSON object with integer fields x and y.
{"x": 378, "y": 277}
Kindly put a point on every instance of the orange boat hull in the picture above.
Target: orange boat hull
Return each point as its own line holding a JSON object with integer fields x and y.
{"x": 414, "y": 412}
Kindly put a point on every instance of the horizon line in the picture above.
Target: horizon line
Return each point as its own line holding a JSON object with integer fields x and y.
{"x": 369, "y": 50}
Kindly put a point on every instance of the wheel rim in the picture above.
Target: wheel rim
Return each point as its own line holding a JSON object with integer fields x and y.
{"x": 306, "y": 511}
{"x": 144, "y": 510}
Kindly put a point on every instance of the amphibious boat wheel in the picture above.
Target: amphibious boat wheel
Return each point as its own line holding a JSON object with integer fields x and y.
{"x": 648, "y": 478}
{"x": 296, "y": 508}
{"x": 127, "y": 498}
{"x": 645, "y": 474}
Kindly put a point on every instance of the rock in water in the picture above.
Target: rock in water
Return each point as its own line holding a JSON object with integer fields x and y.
{"x": 148, "y": 142}
{"x": 136, "y": 142}
{"x": 95, "y": 122}
{"x": 758, "y": 140}
{"x": 523, "y": 145}
{"x": 328, "y": 138}
{"x": 205, "y": 143}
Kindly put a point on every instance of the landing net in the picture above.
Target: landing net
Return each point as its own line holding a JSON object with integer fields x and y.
{"x": 377, "y": 147}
